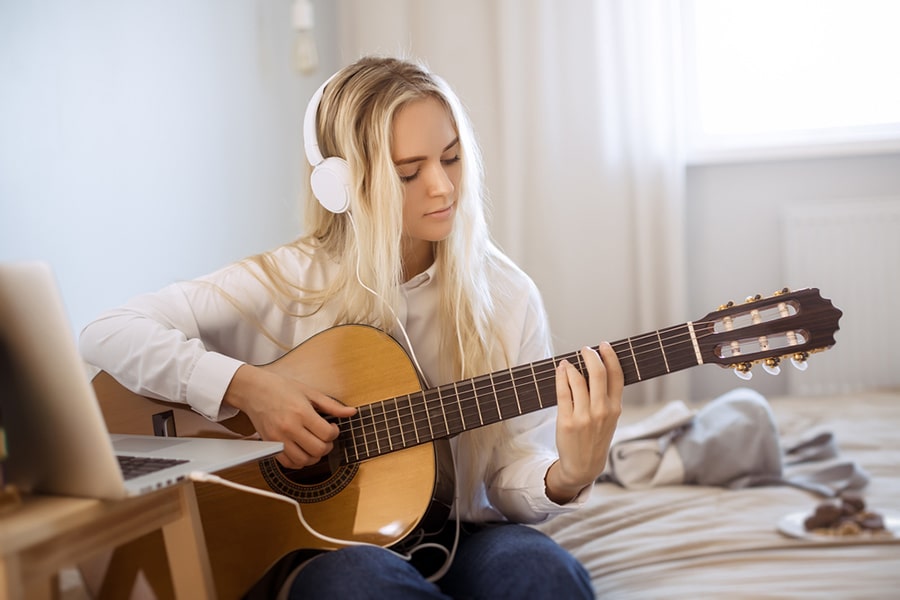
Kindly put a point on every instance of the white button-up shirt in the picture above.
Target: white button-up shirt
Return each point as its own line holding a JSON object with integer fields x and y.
{"x": 185, "y": 342}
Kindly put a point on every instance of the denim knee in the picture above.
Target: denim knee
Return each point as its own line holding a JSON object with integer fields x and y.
{"x": 516, "y": 561}
{"x": 361, "y": 572}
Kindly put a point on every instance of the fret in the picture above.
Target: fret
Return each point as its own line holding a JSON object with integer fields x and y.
{"x": 494, "y": 395}
{"x": 434, "y": 411}
{"x": 526, "y": 394}
{"x": 378, "y": 414}
{"x": 662, "y": 349}
{"x": 403, "y": 420}
{"x": 486, "y": 399}
{"x": 443, "y": 410}
{"x": 515, "y": 389}
{"x": 637, "y": 368}
{"x": 394, "y": 427}
{"x": 351, "y": 433}
{"x": 504, "y": 392}
{"x": 536, "y": 387}
{"x": 653, "y": 358}
{"x": 453, "y": 416}
{"x": 348, "y": 433}
{"x": 412, "y": 418}
{"x": 462, "y": 414}
{"x": 368, "y": 429}
{"x": 468, "y": 399}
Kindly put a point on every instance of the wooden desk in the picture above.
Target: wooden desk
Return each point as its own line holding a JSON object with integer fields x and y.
{"x": 48, "y": 533}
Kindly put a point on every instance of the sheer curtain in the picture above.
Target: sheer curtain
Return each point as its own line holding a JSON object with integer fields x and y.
{"x": 577, "y": 104}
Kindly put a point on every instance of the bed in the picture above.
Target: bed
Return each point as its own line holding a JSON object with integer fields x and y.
{"x": 689, "y": 541}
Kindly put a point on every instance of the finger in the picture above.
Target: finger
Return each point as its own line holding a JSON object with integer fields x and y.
{"x": 578, "y": 385}
{"x": 318, "y": 428}
{"x": 330, "y": 406}
{"x": 563, "y": 392}
{"x": 596, "y": 374}
{"x": 294, "y": 457}
{"x": 614, "y": 375}
{"x": 312, "y": 444}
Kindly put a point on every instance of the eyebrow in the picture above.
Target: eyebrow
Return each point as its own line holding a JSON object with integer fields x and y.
{"x": 412, "y": 159}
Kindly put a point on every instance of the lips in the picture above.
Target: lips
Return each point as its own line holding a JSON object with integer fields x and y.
{"x": 440, "y": 212}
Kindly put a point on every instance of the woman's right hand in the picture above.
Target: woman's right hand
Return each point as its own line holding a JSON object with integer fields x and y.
{"x": 285, "y": 410}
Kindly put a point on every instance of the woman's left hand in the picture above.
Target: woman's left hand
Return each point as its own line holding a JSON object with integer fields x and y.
{"x": 588, "y": 411}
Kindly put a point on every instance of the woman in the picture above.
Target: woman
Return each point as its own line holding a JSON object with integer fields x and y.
{"x": 402, "y": 245}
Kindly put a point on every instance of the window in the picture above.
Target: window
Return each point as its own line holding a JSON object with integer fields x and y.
{"x": 791, "y": 77}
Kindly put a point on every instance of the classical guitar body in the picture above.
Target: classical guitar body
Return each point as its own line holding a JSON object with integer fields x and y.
{"x": 381, "y": 500}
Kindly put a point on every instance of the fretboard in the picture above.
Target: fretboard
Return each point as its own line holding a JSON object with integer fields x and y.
{"x": 428, "y": 415}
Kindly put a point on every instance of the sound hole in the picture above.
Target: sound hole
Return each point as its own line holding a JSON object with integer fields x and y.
{"x": 311, "y": 484}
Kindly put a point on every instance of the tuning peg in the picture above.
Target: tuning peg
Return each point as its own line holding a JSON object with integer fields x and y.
{"x": 742, "y": 370}
{"x": 799, "y": 360}
{"x": 753, "y": 298}
{"x": 771, "y": 365}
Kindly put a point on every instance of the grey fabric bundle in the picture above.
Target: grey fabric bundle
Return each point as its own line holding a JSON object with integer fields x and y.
{"x": 731, "y": 442}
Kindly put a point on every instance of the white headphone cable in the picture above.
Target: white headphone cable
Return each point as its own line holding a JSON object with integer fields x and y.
{"x": 412, "y": 351}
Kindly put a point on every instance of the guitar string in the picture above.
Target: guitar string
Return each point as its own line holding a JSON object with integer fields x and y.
{"x": 421, "y": 415}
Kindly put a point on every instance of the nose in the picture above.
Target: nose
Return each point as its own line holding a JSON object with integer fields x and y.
{"x": 438, "y": 181}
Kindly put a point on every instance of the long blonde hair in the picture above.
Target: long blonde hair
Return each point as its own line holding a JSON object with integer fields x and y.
{"x": 354, "y": 121}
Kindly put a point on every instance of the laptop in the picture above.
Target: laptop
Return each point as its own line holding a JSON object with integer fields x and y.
{"x": 57, "y": 440}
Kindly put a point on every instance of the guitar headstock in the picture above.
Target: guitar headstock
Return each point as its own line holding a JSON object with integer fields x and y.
{"x": 767, "y": 330}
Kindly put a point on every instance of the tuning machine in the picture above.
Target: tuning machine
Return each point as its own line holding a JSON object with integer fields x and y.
{"x": 742, "y": 370}
{"x": 798, "y": 359}
{"x": 772, "y": 365}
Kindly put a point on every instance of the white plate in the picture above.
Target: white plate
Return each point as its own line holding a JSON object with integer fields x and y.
{"x": 792, "y": 526}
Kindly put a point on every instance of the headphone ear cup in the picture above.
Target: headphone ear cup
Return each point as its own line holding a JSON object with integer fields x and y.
{"x": 330, "y": 182}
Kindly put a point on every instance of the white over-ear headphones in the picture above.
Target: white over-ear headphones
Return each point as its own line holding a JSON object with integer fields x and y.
{"x": 330, "y": 178}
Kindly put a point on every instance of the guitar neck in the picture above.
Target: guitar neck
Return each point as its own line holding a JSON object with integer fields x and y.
{"x": 444, "y": 411}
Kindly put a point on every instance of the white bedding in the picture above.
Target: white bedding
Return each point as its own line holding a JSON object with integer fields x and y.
{"x": 704, "y": 542}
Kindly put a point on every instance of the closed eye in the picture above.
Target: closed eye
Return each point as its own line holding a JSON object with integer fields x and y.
{"x": 444, "y": 161}
{"x": 408, "y": 178}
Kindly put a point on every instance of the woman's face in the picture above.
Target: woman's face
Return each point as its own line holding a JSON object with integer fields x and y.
{"x": 426, "y": 154}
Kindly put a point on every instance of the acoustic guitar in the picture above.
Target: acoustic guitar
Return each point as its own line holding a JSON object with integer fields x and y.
{"x": 389, "y": 476}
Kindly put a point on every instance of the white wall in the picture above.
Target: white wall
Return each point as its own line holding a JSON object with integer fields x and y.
{"x": 149, "y": 141}
{"x": 735, "y": 245}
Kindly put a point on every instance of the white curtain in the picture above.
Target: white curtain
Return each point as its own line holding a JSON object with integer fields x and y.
{"x": 577, "y": 104}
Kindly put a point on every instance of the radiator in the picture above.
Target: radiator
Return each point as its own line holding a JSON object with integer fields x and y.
{"x": 850, "y": 250}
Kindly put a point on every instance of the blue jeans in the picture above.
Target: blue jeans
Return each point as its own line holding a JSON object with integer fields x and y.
{"x": 503, "y": 561}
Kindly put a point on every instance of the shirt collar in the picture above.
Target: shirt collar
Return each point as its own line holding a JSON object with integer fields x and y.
{"x": 422, "y": 279}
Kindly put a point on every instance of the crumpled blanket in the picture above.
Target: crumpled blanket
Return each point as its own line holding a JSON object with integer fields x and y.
{"x": 731, "y": 442}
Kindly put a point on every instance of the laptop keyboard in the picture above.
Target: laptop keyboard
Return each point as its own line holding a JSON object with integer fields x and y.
{"x": 135, "y": 466}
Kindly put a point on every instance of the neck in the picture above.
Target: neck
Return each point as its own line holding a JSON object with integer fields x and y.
{"x": 418, "y": 255}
